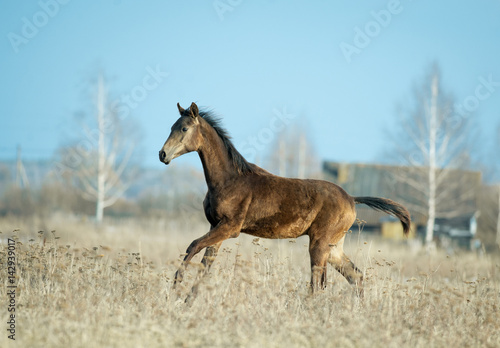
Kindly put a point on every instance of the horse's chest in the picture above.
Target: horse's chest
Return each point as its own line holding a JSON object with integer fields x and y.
{"x": 214, "y": 209}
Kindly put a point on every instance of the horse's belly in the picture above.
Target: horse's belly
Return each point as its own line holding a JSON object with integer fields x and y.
{"x": 276, "y": 229}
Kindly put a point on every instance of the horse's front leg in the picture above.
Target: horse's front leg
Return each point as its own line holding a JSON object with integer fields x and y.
{"x": 214, "y": 238}
{"x": 207, "y": 261}
{"x": 179, "y": 275}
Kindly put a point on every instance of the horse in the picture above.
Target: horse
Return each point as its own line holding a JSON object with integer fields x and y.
{"x": 244, "y": 198}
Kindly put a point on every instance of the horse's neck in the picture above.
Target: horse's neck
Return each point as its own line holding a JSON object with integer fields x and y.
{"x": 215, "y": 160}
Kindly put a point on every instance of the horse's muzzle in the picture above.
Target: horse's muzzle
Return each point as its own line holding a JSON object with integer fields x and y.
{"x": 163, "y": 156}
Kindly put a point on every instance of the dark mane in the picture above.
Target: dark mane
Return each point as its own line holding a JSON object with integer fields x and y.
{"x": 239, "y": 162}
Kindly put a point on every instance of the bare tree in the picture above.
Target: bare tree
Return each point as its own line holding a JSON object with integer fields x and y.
{"x": 496, "y": 169}
{"x": 100, "y": 158}
{"x": 292, "y": 155}
{"x": 432, "y": 142}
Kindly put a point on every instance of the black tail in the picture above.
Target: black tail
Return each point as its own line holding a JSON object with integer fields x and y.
{"x": 389, "y": 207}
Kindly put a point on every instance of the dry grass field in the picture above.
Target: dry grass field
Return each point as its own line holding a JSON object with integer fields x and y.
{"x": 82, "y": 286}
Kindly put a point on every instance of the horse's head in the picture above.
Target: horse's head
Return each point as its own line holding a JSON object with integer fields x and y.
{"x": 185, "y": 135}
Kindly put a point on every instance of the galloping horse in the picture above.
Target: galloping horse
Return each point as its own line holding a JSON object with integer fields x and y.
{"x": 243, "y": 197}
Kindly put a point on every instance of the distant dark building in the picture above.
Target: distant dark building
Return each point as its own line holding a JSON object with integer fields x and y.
{"x": 455, "y": 223}
{"x": 456, "y": 232}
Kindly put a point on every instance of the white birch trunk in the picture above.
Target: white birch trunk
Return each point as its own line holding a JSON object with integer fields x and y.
{"x": 431, "y": 217}
{"x": 101, "y": 152}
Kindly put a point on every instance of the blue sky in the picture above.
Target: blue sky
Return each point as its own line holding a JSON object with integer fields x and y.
{"x": 247, "y": 60}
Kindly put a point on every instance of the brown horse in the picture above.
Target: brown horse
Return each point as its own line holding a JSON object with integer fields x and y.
{"x": 243, "y": 197}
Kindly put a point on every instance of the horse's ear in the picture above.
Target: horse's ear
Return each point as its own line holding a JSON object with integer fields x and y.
{"x": 181, "y": 110}
{"x": 193, "y": 110}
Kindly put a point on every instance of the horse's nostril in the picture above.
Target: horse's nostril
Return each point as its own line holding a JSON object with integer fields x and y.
{"x": 162, "y": 155}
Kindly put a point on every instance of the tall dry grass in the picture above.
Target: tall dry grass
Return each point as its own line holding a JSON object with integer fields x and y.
{"x": 82, "y": 286}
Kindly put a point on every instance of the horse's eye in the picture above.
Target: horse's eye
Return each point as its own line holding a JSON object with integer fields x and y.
{"x": 184, "y": 129}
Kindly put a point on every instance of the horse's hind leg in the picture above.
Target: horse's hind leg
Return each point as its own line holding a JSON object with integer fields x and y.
{"x": 318, "y": 250}
{"x": 345, "y": 266}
